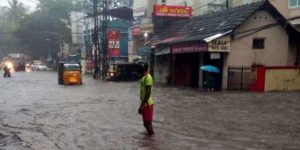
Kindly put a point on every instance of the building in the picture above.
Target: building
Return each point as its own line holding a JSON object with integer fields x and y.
{"x": 77, "y": 46}
{"x": 82, "y": 28}
{"x": 202, "y": 7}
{"x": 288, "y": 8}
{"x": 77, "y": 27}
{"x": 142, "y": 29}
{"x": 240, "y": 37}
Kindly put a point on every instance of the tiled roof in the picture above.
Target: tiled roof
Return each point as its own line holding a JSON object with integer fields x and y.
{"x": 208, "y": 25}
{"x": 204, "y": 26}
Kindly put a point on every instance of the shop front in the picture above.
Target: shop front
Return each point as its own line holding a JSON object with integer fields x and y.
{"x": 188, "y": 57}
{"x": 186, "y": 61}
{"x": 162, "y": 65}
{"x": 217, "y": 52}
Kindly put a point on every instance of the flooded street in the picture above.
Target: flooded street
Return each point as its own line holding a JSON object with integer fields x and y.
{"x": 37, "y": 113}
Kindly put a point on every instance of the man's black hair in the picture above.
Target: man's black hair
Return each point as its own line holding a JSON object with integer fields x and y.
{"x": 142, "y": 67}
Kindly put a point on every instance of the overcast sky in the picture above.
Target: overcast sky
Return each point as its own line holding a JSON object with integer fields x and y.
{"x": 29, "y": 3}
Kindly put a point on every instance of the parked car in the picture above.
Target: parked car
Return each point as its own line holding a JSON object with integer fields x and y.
{"x": 38, "y": 67}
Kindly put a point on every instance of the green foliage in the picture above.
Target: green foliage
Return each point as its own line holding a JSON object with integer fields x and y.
{"x": 44, "y": 30}
{"x": 10, "y": 22}
{"x": 38, "y": 33}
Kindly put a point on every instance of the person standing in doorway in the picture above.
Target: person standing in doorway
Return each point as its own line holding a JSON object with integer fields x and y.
{"x": 210, "y": 80}
{"x": 146, "y": 105}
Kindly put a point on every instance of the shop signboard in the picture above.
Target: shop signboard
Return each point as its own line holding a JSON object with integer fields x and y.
{"x": 189, "y": 48}
{"x": 219, "y": 45}
{"x": 139, "y": 12}
{"x": 114, "y": 43}
{"x": 139, "y": 8}
{"x": 172, "y": 11}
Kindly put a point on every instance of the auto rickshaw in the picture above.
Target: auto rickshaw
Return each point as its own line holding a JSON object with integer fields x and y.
{"x": 69, "y": 74}
{"x": 123, "y": 71}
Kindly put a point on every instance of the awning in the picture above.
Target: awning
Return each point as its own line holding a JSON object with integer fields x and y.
{"x": 216, "y": 36}
{"x": 204, "y": 37}
{"x": 166, "y": 41}
{"x": 164, "y": 51}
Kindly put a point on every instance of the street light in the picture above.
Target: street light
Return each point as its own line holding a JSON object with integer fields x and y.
{"x": 146, "y": 34}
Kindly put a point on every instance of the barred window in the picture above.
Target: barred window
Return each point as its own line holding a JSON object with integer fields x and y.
{"x": 258, "y": 43}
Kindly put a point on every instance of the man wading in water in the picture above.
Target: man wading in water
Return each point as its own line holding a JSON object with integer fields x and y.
{"x": 146, "y": 106}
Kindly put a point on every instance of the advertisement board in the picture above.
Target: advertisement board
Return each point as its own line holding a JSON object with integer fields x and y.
{"x": 114, "y": 43}
{"x": 172, "y": 11}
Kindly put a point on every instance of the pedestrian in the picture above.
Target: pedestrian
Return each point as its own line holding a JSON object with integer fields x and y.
{"x": 146, "y": 105}
{"x": 210, "y": 82}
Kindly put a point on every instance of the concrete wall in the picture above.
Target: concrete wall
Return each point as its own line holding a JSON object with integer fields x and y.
{"x": 281, "y": 5}
{"x": 282, "y": 79}
{"x": 284, "y": 9}
{"x": 177, "y": 2}
{"x": 201, "y": 7}
{"x": 276, "y": 48}
{"x": 225, "y": 72}
{"x": 287, "y": 11}
{"x": 292, "y": 53}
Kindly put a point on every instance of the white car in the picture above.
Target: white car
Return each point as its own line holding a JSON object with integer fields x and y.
{"x": 39, "y": 67}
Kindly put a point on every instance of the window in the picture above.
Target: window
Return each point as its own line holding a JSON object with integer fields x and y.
{"x": 294, "y": 3}
{"x": 258, "y": 43}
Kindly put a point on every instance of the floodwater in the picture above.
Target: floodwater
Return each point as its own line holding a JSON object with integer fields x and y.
{"x": 37, "y": 113}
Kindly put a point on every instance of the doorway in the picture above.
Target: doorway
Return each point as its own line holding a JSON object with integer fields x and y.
{"x": 217, "y": 60}
{"x": 186, "y": 70}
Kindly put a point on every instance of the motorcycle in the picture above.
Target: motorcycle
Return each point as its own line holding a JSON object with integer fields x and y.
{"x": 6, "y": 72}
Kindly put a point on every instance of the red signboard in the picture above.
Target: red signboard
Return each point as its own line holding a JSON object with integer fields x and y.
{"x": 172, "y": 11}
{"x": 113, "y": 43}
{"x": 190, "y": 48}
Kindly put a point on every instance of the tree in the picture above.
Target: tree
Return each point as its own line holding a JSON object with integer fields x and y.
{"x": 16, "y": 11}
{"x": 44, "y": 30}
{"x": 10, "y": 22}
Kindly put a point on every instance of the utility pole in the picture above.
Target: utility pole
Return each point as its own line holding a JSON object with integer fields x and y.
{"x": 227, "y": 4}
{"x": 105, "y": 40}
{"x": 96, "y": 40}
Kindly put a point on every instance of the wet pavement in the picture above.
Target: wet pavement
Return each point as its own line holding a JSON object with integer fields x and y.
{"x": 37, "y": 113}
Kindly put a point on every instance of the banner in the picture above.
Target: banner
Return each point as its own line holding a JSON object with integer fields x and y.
{"x": 113, "y": 43}
{"x": 172, "y": 11}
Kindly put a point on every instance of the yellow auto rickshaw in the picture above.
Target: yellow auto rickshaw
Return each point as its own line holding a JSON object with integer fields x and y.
{"x": 69, "y": 74}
